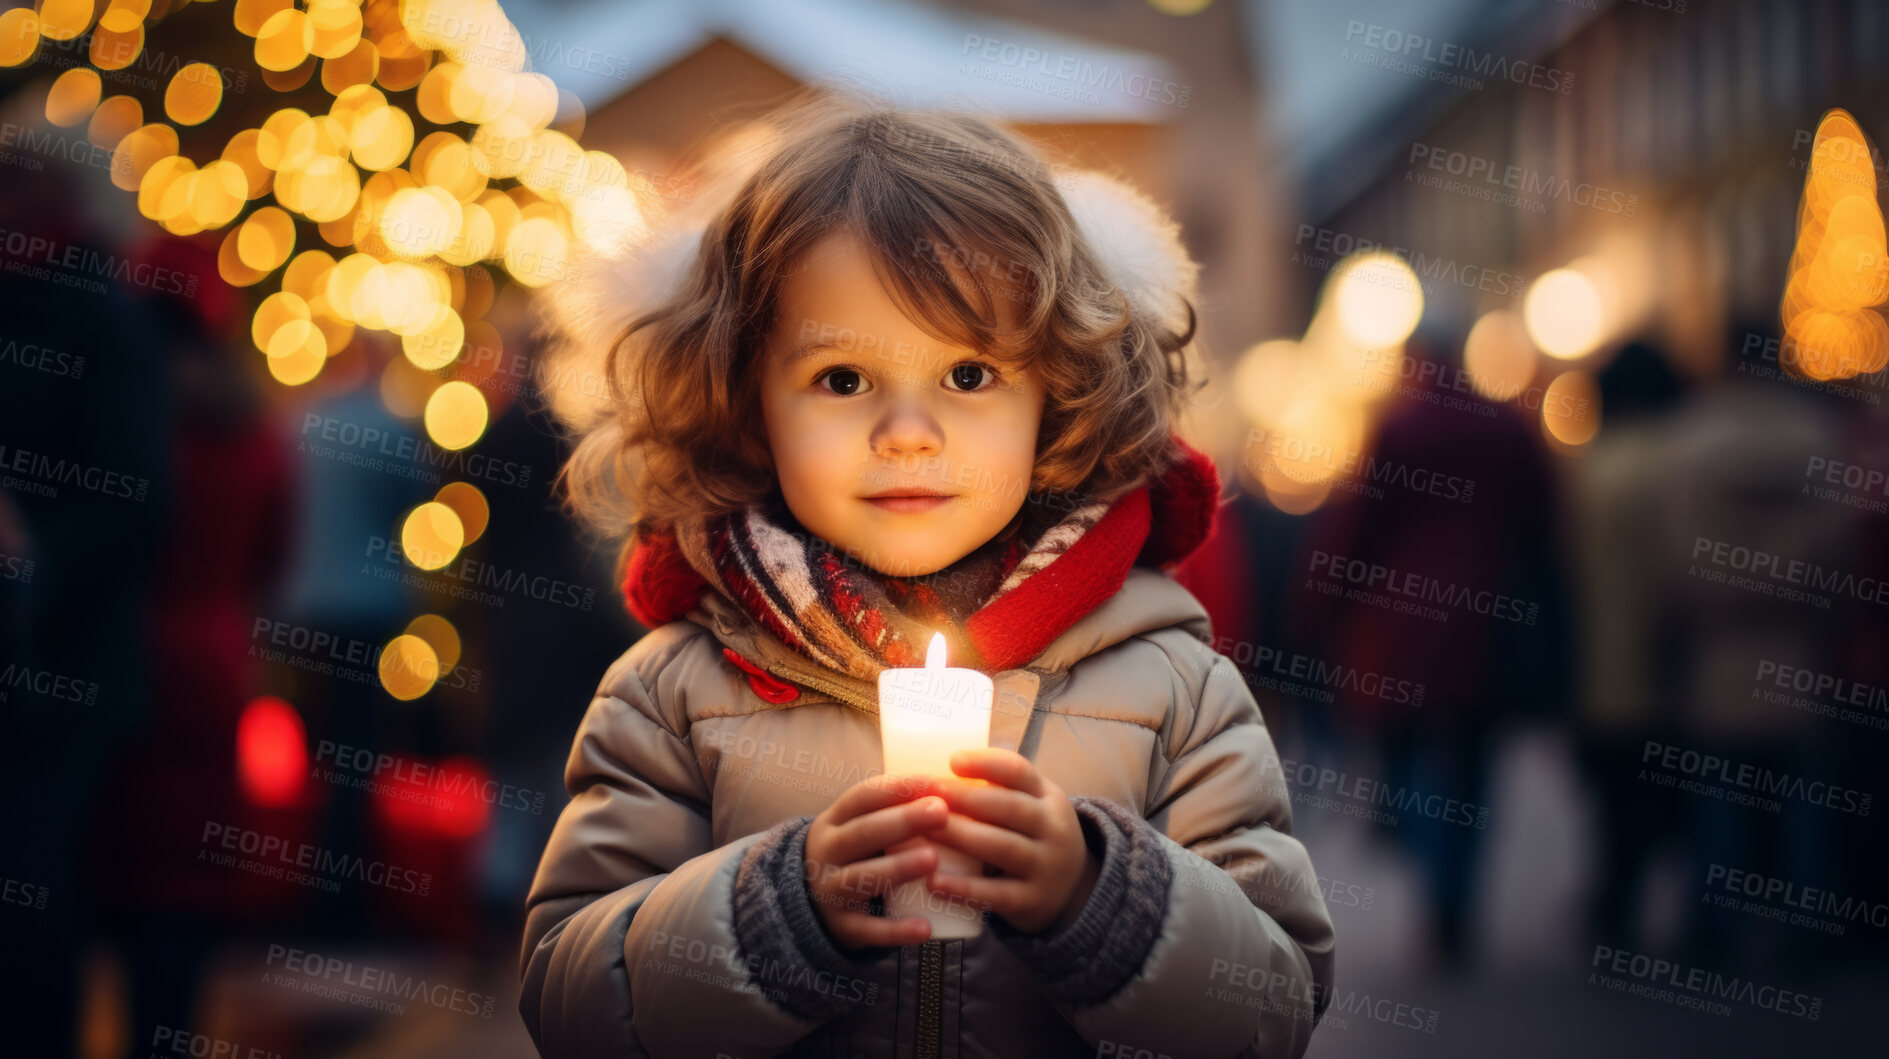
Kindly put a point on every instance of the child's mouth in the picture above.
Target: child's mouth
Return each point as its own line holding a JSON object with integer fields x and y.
{"x": 909, "y": 505}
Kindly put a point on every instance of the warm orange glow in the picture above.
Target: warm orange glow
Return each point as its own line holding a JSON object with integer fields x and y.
{"x": 1498, "y": 357}
{"x": 455, "y": 415}
{"x": 408, "y": 667}
{"x": 194, "y": 92}
{"x": 470, "y": 505}
{"x": 440, "y": 635}
{"x": 19, "y": 36}
{"x": 1570, "y": 408}
{"x": 1564, "y": 314}
{"x": 432, "y": 535}
{"x": 74, "y": 96}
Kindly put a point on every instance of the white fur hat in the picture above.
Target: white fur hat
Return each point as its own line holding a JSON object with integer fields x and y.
{"x": 581, "y": 316}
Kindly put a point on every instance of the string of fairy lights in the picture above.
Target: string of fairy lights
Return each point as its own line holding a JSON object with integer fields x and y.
{"x": 356, "y": 219}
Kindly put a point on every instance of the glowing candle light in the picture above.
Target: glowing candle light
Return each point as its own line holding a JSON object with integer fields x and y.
{"x": 926, "y": 715}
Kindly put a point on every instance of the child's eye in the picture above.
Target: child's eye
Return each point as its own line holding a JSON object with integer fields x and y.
{"x": 845, "y": 381}
{"x": 971, "y": 376}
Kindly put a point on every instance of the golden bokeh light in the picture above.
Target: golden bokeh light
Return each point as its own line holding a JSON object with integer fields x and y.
{"x": 1563, "y": 314}
{"x": 455, "y": 415}
{"x": 413, "y": 214}
{"x": 122, "y": 15}
{"x": 115, "y": 50}
{"x": 432, "y": 535}
{"x": 440, "y": 635}
{"x": 469, "y": 504}
{"x": 194, "y": 93}
{"x": 74, "y": 96}
{"x": 266, "y": 239}
{"x": 231, "y": 267}
{"x": 537, "y": 251}
{"x": 19, "y": 36}
{"x": 116, "y": 118}
{"x": 1570, "y": 408}
{"x": 408, "y": 667}
{"x": 252, "y": 15}
{"x": 1378, "y": 298}
{"x": 276, "y": 310}
{"x": 282, "y": 42}
{"x": 64, "y": 19}
{"x": 1498, "y": 356}
{"x": 439, "y": 343}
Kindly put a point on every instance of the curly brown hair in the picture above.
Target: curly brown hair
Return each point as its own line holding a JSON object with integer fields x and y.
{"x": 955, "y": 211}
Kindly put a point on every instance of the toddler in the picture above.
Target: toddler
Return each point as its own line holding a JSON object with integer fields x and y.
{"x": 905, "y": 379}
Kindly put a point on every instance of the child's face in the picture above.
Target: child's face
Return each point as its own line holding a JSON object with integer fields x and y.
{"x": 861, "y": 402}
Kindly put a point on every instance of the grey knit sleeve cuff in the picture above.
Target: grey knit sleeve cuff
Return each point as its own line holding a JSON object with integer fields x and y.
{"x": 785, "y": 947}
{"x": 1091, "y": 959}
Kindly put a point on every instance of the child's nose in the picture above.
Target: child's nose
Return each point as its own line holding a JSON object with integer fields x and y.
{"x": 907, "y": 429}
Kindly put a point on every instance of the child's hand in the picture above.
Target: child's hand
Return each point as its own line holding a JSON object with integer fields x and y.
{"x": 1024, "y": 826}
{"x": 847, "y": 863}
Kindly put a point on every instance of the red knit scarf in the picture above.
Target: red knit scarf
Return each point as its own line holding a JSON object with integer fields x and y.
{"x": 998, "y": 607}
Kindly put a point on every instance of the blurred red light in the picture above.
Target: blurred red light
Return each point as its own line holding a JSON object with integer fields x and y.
{"x": 271, "y": 752}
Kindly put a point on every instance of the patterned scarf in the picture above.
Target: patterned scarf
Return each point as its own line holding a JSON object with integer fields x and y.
{"x": 998, "y": 607}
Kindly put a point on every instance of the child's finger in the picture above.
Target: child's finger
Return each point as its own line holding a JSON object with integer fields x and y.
{"x": 1001, "y": 896}
{"x": 861, "y": 880}
{"x": 863, "y": 836}
{"x": 1006, "y": 768}
{"x": 877, "y": 793}
{"x": 1001, "y": 806}
{"x": 996, "y": 846}
{"x": 861, "y": 929}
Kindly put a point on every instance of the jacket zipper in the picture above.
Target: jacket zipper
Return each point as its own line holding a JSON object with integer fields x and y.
{"x": 930, "y": 1034}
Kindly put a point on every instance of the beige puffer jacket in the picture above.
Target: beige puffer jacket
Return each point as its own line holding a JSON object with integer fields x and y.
{"x": 679, "y": 767}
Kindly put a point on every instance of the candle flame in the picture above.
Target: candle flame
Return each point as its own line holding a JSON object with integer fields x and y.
{"x": 935, "y": 655}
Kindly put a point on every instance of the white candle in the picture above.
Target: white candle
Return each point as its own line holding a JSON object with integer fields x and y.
{"x": 926, "y": 715}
